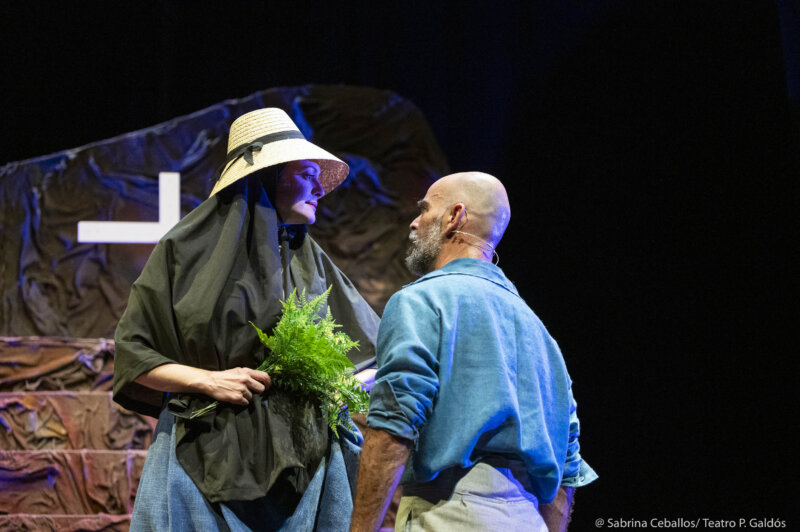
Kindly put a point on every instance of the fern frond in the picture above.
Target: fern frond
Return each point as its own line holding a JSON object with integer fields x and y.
{"x": 308, "y": 357}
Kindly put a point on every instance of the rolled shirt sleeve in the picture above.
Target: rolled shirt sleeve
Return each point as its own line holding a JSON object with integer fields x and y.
{"x": 407, "y": 380}
{"x": 577, "y": 472}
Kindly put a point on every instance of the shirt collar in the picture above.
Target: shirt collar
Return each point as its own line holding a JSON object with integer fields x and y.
{"x": 474, "y": 267}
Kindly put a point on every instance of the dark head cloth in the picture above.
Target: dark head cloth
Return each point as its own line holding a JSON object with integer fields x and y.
{"x": 219, "y": 268}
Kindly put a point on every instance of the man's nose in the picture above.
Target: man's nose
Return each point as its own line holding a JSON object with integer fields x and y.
{"x": 414, "y": 225}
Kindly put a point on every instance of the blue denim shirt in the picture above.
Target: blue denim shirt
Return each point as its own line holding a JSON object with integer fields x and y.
{"x": 467, "y": 370}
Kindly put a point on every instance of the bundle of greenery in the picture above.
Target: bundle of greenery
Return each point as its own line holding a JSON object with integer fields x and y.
{"x": 308, "y": 358}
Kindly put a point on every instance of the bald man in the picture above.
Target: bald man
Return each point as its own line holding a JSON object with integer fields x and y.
{"x": 472, "y": 408}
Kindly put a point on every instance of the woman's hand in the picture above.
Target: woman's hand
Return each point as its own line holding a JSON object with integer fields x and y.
{"x": 367, "y": 377}
{"x": 236, "y": 385}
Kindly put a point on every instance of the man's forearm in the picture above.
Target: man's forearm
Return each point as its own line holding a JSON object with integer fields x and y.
{"x": 556, "y": 513}
{"x": 383, "y": 459}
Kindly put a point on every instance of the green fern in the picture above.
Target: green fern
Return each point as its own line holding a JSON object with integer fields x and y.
{"x": 308, "y": 357}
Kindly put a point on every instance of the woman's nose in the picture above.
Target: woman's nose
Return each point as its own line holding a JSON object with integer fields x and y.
{"x": 317, "y": 189}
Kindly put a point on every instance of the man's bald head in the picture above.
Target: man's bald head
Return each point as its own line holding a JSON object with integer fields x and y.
{"x": 461, "y": 216}
{"x": 485, "y": 200}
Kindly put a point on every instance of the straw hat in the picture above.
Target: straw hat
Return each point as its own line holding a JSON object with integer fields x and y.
{"x": 266, "y": 137}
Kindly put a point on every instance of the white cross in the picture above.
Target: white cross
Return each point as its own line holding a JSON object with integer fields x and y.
{"x": 169, "y": 213}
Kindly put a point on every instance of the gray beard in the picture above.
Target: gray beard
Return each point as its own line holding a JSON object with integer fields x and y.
{"x": 424, "y": 249}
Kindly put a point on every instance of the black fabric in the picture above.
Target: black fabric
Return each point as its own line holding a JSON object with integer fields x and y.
{"x": 219, "y": 268}
{"x": 298, "y": 433}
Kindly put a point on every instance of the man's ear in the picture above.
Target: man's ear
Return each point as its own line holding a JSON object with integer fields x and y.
{"x": 456, "y": 217}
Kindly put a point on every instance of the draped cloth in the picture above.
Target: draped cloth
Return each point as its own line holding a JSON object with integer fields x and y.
{"x": 221, "y": 267}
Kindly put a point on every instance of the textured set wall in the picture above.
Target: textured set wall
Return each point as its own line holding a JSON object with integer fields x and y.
{"x": 51, "y": 285}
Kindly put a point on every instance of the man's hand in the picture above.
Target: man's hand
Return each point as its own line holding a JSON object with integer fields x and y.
{"x": 383, "y": 459}
{"x": 366, "y": 377}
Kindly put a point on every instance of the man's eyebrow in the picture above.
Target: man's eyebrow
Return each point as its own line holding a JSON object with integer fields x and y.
{"x": 422, "y": 204}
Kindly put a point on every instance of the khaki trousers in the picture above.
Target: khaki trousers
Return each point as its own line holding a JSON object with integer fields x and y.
{"x": 486, "y": 497}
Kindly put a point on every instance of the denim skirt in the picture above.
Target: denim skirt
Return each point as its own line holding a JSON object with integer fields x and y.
{"x": 168, "y": 500}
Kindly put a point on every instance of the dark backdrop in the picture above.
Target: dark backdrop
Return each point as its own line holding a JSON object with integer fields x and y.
{"x": 648, "y": 148}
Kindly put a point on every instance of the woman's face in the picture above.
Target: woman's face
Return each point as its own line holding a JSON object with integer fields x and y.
{"x": 298, "y": 191}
